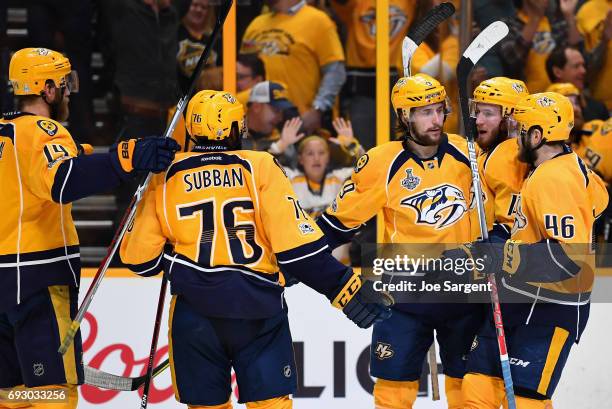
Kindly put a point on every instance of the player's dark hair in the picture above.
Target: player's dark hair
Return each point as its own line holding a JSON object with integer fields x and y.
{"x": 255, "y": 63}
{"x": 23, "y": 100}
{"x": 232, "y": 143}
{"x": 557, "y": 58}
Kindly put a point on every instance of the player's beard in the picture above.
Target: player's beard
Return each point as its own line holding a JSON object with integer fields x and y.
{"x": 426, "y": 138}
{"x": 526, "y": 152}
{"x": 59, "y": 110}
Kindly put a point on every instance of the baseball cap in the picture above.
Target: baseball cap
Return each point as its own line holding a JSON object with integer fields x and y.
{"x": 269, "y": 92}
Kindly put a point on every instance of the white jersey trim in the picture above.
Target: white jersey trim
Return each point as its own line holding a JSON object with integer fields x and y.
{"x": 303, "y": 257}
{"x": 217, "y": 269}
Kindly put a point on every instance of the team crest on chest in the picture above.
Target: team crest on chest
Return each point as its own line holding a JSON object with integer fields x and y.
{"x": 410, "y": 182}
{"x": 439, "y": 206}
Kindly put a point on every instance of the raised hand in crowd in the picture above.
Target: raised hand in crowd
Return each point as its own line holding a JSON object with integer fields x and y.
{"x": 346, "y": 138}
{"x": 568, "y": 7}
{"x": 290, "y": 133}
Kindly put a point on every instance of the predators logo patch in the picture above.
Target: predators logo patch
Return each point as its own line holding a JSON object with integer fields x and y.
{"x": 49, "y": 127}
{"x": 440, "y": 206}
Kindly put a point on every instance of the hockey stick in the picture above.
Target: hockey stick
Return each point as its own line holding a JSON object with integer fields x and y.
{"x": 156, "y": 328}
{"x": 481, "y": 44}
{"x": 433, "y": 372}
{"x": 105, "y": 380}
{"x": 420, "y": 31}
{"x": 131, "y": 209}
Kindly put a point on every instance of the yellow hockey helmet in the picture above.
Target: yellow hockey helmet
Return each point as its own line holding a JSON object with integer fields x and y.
{"x": 30, "y": 68}
{"x": 502, "y": 91}
{"x": 211, "y": 114}
{"x": 551, "y": 111}
{"x": 563, "y": 88}
{"x": 417, "y": 91}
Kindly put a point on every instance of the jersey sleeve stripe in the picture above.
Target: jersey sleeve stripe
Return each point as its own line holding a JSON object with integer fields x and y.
{"x": 306, "y": 251}
{"x": 337, "y": 224}
{"x": 148, "y": 268}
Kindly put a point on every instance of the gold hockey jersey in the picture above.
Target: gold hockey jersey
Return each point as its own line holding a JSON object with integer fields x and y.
{"x": 422, "y": 200}
{"x": 231, "y": 219}
{"x": 598, "y": 153}
{"x": 549, "y": 258}
{"x": 38, "y": 239}
{"x": 502, "y": 176}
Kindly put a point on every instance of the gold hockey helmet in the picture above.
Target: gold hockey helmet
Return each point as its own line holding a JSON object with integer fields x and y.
{"x": 502, "y": 91}
{"x": 30, "y": 68}
{"x": 551, "y": 111}
{"x": 211, "y": 114}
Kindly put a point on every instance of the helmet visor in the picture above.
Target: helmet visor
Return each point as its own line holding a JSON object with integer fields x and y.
{"x": 71, "y": 81}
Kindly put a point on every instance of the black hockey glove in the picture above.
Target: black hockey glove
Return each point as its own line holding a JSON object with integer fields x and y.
{"x": 360, "y": 302}
{"x": 151, "y": 154}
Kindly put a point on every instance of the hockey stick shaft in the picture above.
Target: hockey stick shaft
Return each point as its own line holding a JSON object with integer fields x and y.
{"x": 433, "y": 371}
{"x": 154, "y": 339}
{"x": 420, "y": 31}
{"x": 131, "y": 209}
{"x": 490, "y": 36}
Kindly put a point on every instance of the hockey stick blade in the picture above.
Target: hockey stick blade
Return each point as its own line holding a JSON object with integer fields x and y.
{"x": 485, "y": 41}
{"x": 104, "y": 380}
{"x": 420, "y": 31}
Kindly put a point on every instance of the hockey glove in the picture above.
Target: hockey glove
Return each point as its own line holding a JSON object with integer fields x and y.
{"x": 488, "y": 256}
{"x": 360, "y": 302}
{"x": 151, "y": 154}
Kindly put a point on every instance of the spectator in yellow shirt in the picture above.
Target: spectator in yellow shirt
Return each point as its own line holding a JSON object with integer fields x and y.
{"x": 359, "y": 92}
{"x": 300, "y": 47}
{"x": 594, "y": 21}
{"x": 534, "y": 33}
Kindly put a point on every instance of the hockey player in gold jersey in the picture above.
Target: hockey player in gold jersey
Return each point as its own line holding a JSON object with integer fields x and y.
{"x": 43, "y": 170}
{"x": 421, "y": 184}
{"x": 547, "y": 267}
{"x": 501, "y": 172}
{"x": 220, "y": 222}
{"x": 598, "y": 154}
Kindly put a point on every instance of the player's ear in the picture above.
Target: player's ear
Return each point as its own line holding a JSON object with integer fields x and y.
{"x": 536, "y": 136}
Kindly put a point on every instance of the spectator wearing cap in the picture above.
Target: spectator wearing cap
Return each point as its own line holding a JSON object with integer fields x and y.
{"x": 566, "y": 65}
{"x": 534, "y": 33}
{"x": 300, "y": 47}
{"x": 266, "y": 106}
{"x": 249, "y": 71}
{"x": 594, "y": 21}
